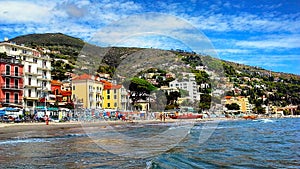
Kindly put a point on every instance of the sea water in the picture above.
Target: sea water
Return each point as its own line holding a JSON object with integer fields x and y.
{"x": 265, "y": 143}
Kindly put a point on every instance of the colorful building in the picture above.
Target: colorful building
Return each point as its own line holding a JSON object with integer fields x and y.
{"x": 242, "y": 101}
{"x": 87, "y": 91}
{"x": 111, "y": 95}
{"x": 11, "y": 82}
{"x": 61, "y": 93}
{"x": 36, "y": 73}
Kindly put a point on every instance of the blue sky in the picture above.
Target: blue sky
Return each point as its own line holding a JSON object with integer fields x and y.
{"x": 258, "y": 32}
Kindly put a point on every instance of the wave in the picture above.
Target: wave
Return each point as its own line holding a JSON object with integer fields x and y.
{"x": 18, "y": 140}
{"x": 29, "y": 140}
{"x": 266, "y": 120}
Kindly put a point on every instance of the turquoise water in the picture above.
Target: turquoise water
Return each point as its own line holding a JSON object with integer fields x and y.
{"x": 232, "y": 144}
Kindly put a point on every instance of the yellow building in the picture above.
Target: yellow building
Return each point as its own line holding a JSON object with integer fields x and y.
{"x": 88, "y": 89}
{"x": 243, "y": 102}
{"x": 111, "y": 95}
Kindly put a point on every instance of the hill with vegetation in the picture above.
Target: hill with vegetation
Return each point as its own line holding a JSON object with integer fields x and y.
{"x": 68, "y": 53}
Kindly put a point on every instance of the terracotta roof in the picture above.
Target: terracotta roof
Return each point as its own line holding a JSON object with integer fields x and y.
{"x": 83, "y": 77}
{"x": 56, "y": 82}
{"x": 108, "y": 85}
{"x": 227, "y": 97}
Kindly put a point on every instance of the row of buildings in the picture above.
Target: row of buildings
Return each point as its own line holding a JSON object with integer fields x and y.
{"x": 26, "y": 82}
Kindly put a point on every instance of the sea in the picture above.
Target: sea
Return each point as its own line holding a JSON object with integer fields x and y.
{"x": 262, "y": 143}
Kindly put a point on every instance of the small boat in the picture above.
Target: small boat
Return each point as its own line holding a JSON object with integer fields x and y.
{"x": 251, "y": 117}
{"x": 187, "y": 116}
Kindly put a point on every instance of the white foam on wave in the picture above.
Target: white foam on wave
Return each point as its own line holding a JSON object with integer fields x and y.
{"x": 267, "y": 120}
{"x": 29, "y": 140}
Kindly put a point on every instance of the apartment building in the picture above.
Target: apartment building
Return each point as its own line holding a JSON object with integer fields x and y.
{"x": 187, "y": 82}
{"x": 11, "y": 82}
{"x": 36, "y": 73}
{"x": 88, "y": 90}
{"x": 242, "y": 101}
{"x": 111, "y": 95}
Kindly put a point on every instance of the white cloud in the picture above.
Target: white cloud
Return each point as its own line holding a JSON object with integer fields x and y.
{"x": 245, "y": 22}
{"x": 233, "y": 51}
{"x": 280, "y": 41}
{"x": 24, "y": 12}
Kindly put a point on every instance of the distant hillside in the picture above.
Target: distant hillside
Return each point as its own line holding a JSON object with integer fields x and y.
{"x": 49, "y": 39}
{"x": 70, "y": 47}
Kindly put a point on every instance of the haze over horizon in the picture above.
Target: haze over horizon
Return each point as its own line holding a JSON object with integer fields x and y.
{"x": 256, "y": 33}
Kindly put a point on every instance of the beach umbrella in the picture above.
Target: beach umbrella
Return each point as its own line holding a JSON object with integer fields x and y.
{"x": 10, "y": 109}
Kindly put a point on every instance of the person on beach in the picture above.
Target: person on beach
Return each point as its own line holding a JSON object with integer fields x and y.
{"x": 160, "y": 116}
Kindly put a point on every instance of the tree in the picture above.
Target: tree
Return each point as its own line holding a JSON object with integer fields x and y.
{"x": 205, "y": 101}
{"x": 232, "y": 106}
{"x": 139, "y": 88}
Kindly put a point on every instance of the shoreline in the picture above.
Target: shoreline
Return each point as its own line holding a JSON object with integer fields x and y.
{"x": 12, "y": 130}
{"x": 119, "y": 122}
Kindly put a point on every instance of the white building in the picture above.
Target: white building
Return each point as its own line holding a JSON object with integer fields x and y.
{"x": 37, "y": 73}
{"x": 188, "y": 83}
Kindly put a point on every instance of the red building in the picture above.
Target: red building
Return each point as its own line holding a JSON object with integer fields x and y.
{"x": 61, "y": 93}
{"x": 11, "y": 82}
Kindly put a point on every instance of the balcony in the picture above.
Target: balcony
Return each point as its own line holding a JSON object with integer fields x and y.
{"x": 13, "y": 60}
{"x": 44, "y": 68}
{"x": 31, "y": 86}
{"x": 32, "y": 73}
{"x": 11, "y": 101}
{"x": 12, "y": 86}
{"x": 12, "y": 74}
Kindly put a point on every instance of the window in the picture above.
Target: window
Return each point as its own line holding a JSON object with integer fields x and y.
{"x": 29, "y": 93}
{"x": 6, "y": 97}
{"x": 44, "y": 64}
{"x": 29, "y": 68}
{"x": 115, "y": 91}
{"x": 16, "y": 98}
{"x": 16, "y": 83}
{"x": 73, "y": 88}
{"x": 7, "y": 70}
{"x": 7, "y": 81}
{"x": 44, "y": 74}
{"x": 24, "y": 58}
{"x": 108, "y": 104}
{"x": 24, "y": 51}
{"x": 108, "y": 97}
{"x": 115, "y": 96}
{"x": 14, "y": 49}
{"x": 108, "y": 91}
{"x": 29, "y": 81}
{"x": 34, "y": 60}
{"x": 115, "y": 104}
{"x": 16, "y": 71}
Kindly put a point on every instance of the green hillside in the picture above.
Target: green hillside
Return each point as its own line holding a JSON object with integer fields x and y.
{"x": 280, "y": 89}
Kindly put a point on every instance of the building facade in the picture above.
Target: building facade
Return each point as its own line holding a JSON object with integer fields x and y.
{"x": 11, "y": 82}
{"x": 188, "y": 83}
{"x": 111, "y": 95}
{"x": 87, "y": 89}
{"x": 36, "y": 73}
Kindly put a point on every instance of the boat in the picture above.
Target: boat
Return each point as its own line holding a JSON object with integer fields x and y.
{"x": 186, "y": 116}
{"x": 251, "y": 117}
